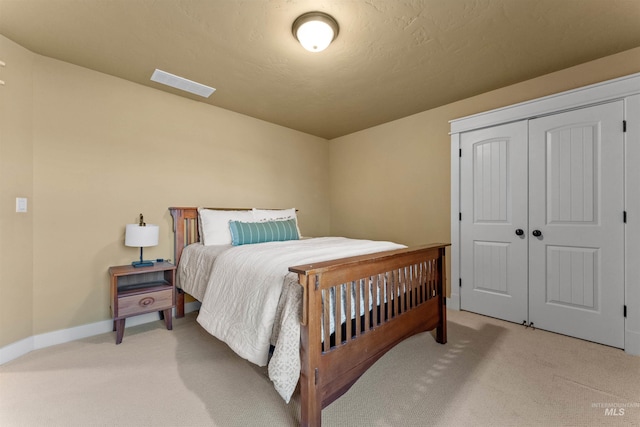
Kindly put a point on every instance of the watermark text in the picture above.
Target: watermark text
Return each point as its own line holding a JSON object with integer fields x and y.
{"x": 616, "y": 409}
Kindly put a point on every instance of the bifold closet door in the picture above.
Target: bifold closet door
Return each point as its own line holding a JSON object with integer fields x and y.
{"x": 576, "y": 228}
{"x": 542, "y": 231}
{"x": 493, "y": 225}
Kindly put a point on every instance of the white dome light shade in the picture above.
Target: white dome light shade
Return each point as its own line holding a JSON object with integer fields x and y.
{"x": 315, "y": 36}
{"x": 315, "y": 30}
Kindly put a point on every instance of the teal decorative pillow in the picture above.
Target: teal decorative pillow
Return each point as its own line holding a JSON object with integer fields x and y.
{"x": 244, "y": 233}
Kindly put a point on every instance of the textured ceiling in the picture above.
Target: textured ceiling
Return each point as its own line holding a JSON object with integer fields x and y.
{"x": 392, "y": 58}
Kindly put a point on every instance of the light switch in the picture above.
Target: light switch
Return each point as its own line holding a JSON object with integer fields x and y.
{"x": 21, "y": 204}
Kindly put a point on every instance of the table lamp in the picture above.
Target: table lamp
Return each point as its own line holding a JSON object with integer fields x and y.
{"x": 141, "y": 235}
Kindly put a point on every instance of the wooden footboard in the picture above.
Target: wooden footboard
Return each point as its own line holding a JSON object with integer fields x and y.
{"x": 389, "y": 295}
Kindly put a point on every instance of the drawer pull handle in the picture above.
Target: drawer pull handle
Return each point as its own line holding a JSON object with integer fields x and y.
{"x": 144, "y": 302}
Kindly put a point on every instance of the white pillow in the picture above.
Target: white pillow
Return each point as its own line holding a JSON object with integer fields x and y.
{"x": 260, "y": 215}
{"x": 214, "y": 225}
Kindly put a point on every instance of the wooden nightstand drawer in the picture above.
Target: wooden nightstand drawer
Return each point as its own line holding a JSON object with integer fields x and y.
{"x": 145, "y": 302}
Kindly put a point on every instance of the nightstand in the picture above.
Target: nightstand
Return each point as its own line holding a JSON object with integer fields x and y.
{"x": 141, "y": 290}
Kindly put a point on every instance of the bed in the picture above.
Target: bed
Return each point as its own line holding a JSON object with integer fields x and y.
{"x": 339, "y": 316}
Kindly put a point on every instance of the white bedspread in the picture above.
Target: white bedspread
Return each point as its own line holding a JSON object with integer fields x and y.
{"x": 194, "y": 270}
{"x": 252, "y": 300}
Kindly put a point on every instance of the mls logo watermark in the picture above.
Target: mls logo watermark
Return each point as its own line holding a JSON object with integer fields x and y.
{"x": 615, "y": 412}
{"x": 616, "y": 409}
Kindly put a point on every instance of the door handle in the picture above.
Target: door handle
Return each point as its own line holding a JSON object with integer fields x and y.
{"x": 519, "y": 232}
{"x": 537, "y": 233}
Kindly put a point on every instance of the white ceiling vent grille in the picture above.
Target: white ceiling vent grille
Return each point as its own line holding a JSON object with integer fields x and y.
{"x": 182, "y": 83}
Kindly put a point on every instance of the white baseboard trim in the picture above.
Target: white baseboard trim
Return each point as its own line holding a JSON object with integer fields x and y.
{"x": 632, "y": 342}
{"x": 36, "y": 342}
{"x": 191, "y": 306}
{"x": 453, "y": 302}
{"x": 15, "y": 350}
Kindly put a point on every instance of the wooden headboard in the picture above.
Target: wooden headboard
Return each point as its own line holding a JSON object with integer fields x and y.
{"x": 185, "y": 232}
{"x": 185, "y": 227}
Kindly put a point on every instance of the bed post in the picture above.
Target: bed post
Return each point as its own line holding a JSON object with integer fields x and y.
{"x": 178, "y": 232}
{"x": 178, "y": 245}
{"x": 185, "y": 231}
{"x": 441, "y": 330}
{"x": 310, "y": 342}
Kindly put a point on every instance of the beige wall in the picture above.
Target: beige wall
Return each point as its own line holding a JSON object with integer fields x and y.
{"x": 92, "y": 151}
{"x": 393, "y": 181}
{"x": 16, "y": 180}
{"x": 95, "y": 151}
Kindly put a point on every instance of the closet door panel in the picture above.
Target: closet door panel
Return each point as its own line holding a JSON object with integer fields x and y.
{"x": 576, "y": 203}
{"x": 493, "y": 202}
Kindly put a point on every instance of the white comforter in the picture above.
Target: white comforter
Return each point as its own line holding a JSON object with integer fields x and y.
{"x": 252, "y": 301}
{"x": 196, "y": 263}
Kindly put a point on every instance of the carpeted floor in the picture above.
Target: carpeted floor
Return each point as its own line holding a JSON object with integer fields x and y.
{"x": 490, "y": 373}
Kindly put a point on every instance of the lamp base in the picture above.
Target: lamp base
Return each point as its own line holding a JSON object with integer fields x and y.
{"x": 142, "y": 264}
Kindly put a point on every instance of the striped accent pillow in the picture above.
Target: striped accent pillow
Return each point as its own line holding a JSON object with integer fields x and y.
{"x": 244, "y": 233}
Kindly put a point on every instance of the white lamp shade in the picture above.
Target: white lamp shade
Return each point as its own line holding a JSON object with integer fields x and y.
{"x": 141, "y": 236}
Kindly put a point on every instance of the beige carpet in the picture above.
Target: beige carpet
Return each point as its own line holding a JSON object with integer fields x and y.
{"x": 491, "y": 373}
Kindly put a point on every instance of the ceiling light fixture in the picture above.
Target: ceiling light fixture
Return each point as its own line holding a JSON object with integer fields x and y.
{"x": 315, "y": 30}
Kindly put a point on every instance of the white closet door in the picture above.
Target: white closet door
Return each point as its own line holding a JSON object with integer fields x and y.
{"x": 493, "y": 202}
{"x": 576, "y": 283}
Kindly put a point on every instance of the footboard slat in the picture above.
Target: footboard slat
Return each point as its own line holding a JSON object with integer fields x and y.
{"x": 349, "y": 290}
{"x": 373, "y": 302}
{"x": 415, "y": 286}
{"x": 367, "y": 300}
{"x": 326, "y": 317}
{"x": 386, "y": 283}
{"x": 336, "y": 313}
{"x": 359, "y": 308}
{"x": 375, "y": 292}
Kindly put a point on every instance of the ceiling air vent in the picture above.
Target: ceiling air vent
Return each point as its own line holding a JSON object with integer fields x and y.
{"x": 182, "y": 83}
